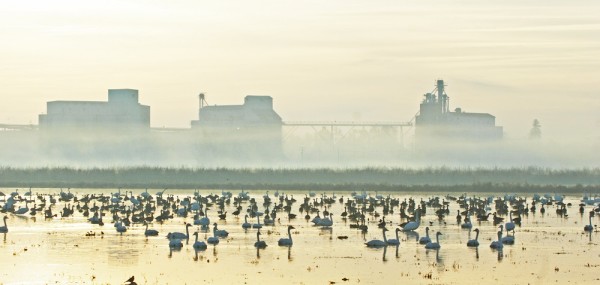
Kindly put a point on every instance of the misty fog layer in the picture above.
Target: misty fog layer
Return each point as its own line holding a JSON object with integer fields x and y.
{"x": 358, "y": 147}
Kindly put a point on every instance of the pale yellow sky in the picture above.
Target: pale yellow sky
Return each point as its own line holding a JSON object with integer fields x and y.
{"x": 320, "y": 60}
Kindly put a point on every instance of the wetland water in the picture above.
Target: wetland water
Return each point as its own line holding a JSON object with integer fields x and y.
{"x": 548, "y": 248}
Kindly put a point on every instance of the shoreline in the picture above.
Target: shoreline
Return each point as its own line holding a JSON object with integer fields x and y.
{"x": 526, "y": 180}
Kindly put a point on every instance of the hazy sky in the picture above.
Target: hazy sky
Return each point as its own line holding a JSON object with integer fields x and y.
{"x": 320, "y": 60}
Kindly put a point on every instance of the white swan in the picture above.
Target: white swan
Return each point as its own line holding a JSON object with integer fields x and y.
{"x": 175, "y": 243}
{"x": 497, "y": 244}
{"x": 411, "y": 226}
{"x": 204, "y": 221}
{"x": 219, "y": 233}
{"x": 436, "y": 244}
{"x": 510, "y": 226}
{"x": 4, "y": 229}
{"x": 179, "y": 235}
{"x": 395, "y": 241}
{"x": 589, "y": 227}
{"x": 258, "y": 225}
{"x": 327, "y": 221}
{"x": 474, "y": 242}
{"x": 214, "y": 240}
{"x": 150, "y": 232}
{"x": 507, "y": 239}
{"x": 259, "y": 243}
{"x": 378, "y": 243}
{"x": 467, "y": 222}
{"x": 246, "y": 225}
{"x": 317, "y": 219}
{"x": 287, "y": 241}
{"x": 199, "y": 245}
{"x": 120, "y": 227}
{"x": 426, "y": 239}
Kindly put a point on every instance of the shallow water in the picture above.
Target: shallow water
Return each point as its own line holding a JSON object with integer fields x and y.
{"x": 548, "y": 249}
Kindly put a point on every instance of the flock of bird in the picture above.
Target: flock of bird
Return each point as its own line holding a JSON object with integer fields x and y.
{"x": 361, "y": 211}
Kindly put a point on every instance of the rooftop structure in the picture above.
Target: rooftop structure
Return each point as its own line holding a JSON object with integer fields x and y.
{"x": 122, "y": 110}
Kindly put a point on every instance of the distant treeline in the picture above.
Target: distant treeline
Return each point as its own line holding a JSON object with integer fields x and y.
{"x": 382, "y": 179}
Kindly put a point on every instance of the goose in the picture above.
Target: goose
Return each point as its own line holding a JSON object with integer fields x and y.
{"x": 259, "y": 243}
{"x": 4, "y": 229}
{"x": 411, "y": 226}
{"x": 287, "y": 241}
{"x": 199, "y": 245}
{"x": 497, "y": 244}
{"x": 394, "y": 241}
{"x": 474, "y": 242}
{"x": 246, "y": 225}
{"x": 219, "y": 233}
{"x": 589, "y": 227}
{"x": 179, "y": 235}
{"x": 150, "y": 232}
{"x": 436, "y": 244}
{"x": 378, "y": 243}
{"x": 426, "y": 239}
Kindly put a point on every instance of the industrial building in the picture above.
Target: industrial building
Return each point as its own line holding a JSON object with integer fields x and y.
{"x": 436, "y": 123}
{"x": 252, "y": 128}
{"x": 121, "y": 111}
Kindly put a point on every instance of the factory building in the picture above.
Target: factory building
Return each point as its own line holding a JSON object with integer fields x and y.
{"x": 436, "y": 123}
{"x": 121, "y": 111}
{"x": 253, "y": 128}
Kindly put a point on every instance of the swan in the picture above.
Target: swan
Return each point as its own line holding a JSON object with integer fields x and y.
{"x": 287, "y": 241}
{"x": 214, "y": 240}
{"x": 219, "y": 233}
{"x": 411, "y": 226}
{"x": 497, "y": 244}
{"x": 257, "y": 225}
{"x": 510, "y": 226}
{"x": 589, "y": 227}
{"x": 150, "y": 232}
{"x": 4, "y": 229}
{"x": 316, "y": 220}
{"x": 120, "y": 227}
{"x": 436, "y": 244}
{"x": 259, "y": 243}
{"x": 199, "y": 245}
{"x": 394, "y": 241}
{"x": 507, "y": 239}
{"x": 204, "y": 221}
{"x": 467, "y": 222}
{"x": 246, "y": 225}
{"x": 474, "y": 242}
{"x": 426, "y": 239}
{"x": 327, "y": 221}
{"x": 378, "y": 243}
{"x": 175, "y": 243}
{"x": 179, "y": 235}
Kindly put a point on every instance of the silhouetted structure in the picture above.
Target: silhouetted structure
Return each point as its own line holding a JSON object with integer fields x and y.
{"x": 253, "y": 128}
{"x": 435, "y": 123}
{"x": 122, "y": 110}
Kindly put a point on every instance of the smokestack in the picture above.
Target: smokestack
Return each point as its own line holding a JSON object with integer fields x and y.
{"x": 441, "y": 96}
